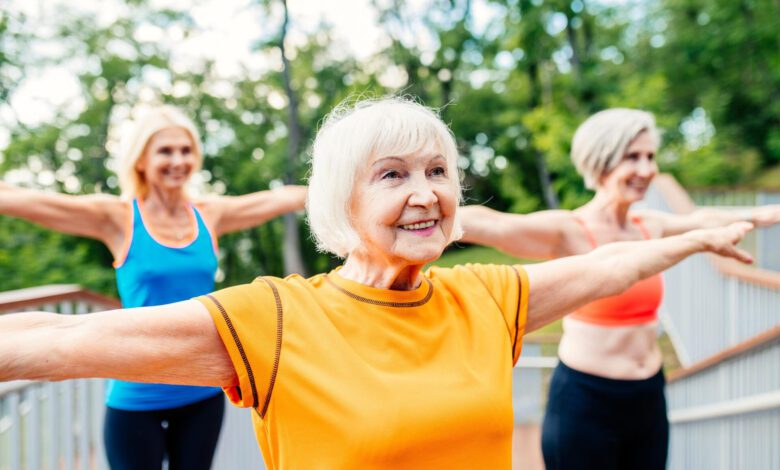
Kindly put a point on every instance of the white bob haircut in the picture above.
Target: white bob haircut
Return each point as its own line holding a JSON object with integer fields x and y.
{"x": 131, "y": 181}
{"x": 601, "y": 141}
{"x": 348, "y": 139}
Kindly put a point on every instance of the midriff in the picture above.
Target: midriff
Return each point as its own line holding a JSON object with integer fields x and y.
{"x": 615, "y": 352}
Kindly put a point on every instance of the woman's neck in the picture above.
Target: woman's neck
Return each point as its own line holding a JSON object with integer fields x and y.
{"x": 382, "y": 274}
{"x": 168, "y": 201}
{"x": 606, "y": 209}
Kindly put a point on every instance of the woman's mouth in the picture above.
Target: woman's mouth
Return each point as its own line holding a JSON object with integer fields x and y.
{"x": 423, "y": 228}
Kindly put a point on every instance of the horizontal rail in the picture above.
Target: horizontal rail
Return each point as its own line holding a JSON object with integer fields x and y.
{"x": 38, "y": 296}
{"x": 537, "y": 362}
{"x": 15, "y": 386}
{"x": 751, "y": 344}
{"x": 542, "y": 338}
{"x": 752, "y": 404}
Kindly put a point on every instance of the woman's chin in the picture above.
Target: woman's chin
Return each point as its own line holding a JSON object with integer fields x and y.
{"x": 422, "y": 257}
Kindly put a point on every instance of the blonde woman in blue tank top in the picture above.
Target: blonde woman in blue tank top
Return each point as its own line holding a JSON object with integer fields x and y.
{"x": 165, "y": 250}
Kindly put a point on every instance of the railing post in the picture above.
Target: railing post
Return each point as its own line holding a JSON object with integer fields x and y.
{"x": 33, "y": 428}
{"x": 15, "y": 431}
{"x": 53, "y": 396}
{"x": 768, "y": 254}
{"x": 82, "y": 411}
{"x": 97, "y": 390}
{"x": 732, "y": 312}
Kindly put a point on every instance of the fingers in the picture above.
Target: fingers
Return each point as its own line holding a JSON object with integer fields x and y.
{"x": 743, "y": 227}
{"x": 740, "y": 229}
{"x": 741, "y": 255}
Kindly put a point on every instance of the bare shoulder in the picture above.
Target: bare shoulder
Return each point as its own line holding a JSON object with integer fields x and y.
{"x": 574, "y": 240}
{"x": 653, "y": 220}
{"x": 115, "y": 209}
{"x": 210, "y": 208}
{"x": 565, "y": 220}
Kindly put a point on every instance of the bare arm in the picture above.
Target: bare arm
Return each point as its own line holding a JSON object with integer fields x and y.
{"x": 559, "y": 287}
{"x": 232, "y": 213}
{"x": 98, "y": 216}
{"x": 176, "y": 343}
{"x": 540, "y": 235}
{"x": 675, "y": 224}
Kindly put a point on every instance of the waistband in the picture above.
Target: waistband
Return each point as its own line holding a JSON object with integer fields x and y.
{"x": 615, "y": 384}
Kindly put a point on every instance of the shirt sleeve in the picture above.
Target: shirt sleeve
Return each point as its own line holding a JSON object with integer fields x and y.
{"x": 508, "y": 286}
{"x": 248, "y": 319}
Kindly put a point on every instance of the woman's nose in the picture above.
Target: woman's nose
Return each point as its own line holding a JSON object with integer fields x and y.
{"x": 422, "y": 193}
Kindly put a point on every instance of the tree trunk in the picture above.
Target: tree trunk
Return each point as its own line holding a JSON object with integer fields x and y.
{"x": 550, "y": 198}
{"x": 291, "y": 248}
{"x": 575, "y": 61}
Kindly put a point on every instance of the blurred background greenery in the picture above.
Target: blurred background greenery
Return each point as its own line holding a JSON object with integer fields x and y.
{"x": 513, "y": 79}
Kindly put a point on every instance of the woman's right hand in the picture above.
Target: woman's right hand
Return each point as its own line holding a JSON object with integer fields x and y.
{"x": 723, "y": 240}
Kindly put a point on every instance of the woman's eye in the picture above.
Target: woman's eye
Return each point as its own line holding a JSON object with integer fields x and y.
{"x": 392, "y": 174}
{"x": 186, "y": 150}
{"x": 165, "y": 150}
{"x": 439, "y": 171}
{"x": 632, "y": 157}
{"x": 651, "y": 156}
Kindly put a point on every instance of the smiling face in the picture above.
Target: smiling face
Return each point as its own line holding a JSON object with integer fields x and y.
{"x": 629, "y": 180}
{"x": 169, "y": 159}
{"x": 403, "y": 207}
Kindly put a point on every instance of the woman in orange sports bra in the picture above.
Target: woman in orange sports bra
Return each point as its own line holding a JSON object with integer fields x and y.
{"x": 606, "y": 407}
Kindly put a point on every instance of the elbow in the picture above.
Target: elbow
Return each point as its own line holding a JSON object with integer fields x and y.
{"x": 29, "y": 349}
{"x": 67, "y": 354}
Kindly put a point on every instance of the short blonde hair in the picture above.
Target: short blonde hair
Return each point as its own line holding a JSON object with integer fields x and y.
{"x": 347, "y": 140}
{"x": 601, "y": 141}
{"x": 131, "y": 182}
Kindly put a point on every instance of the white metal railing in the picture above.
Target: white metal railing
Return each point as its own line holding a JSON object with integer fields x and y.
{"x": 529, "y": 388}
{"x": 733, "y": 407}
{"x": 47, "y": 424}
{"x": 740, "y": 406}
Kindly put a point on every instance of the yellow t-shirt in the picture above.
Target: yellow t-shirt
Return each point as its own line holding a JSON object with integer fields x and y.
{"x": 343, "y": 375}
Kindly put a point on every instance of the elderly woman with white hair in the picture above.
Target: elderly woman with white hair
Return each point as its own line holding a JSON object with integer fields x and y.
{"x": 606, "y": 407}
{"x": 165, "y": 250}
{"x": 377, "y": 364}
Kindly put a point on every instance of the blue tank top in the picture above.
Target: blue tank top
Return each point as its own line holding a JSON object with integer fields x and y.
{"x": 154, "y": 273}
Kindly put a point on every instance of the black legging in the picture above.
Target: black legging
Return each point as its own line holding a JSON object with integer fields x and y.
{"x": 187, "y": 436}
{"x": 593, "y": 422}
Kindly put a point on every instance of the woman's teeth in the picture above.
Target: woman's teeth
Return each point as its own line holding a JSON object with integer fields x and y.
{"x": 419, "y": 226}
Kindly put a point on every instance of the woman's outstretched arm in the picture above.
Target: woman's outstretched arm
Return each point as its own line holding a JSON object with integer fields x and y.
{"x": 176, "y": 343}
{"x": 559, "y": 287}
{"x": 232, "y": 213}
{"x": 675, "y": 224}
{"x": 539, "y": 235}
{"x": 98, "y": 216}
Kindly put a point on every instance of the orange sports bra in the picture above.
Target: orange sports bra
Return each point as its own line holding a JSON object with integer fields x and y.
{"x": 636, "y": 306}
